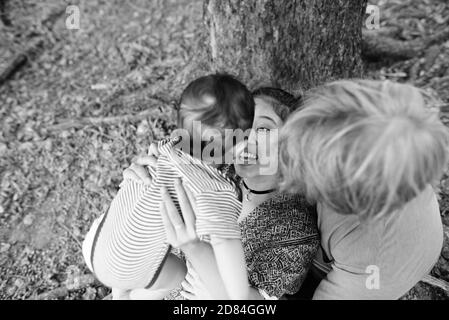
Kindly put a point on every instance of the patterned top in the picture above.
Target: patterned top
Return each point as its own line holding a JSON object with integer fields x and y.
{"x": 280, "y": 239}
{"x": 130, "y": 244}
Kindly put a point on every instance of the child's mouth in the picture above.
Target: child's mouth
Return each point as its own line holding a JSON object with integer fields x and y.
{"x": 248, "y": 157}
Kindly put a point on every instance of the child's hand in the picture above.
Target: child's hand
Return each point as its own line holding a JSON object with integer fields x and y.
{"x": 193, "y": 287}
{"x": 180, "y": 234}
{"x": 137, "y": 171}
{"x": 153, "y": 151}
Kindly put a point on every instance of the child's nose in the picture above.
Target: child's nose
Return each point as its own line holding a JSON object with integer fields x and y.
{"x": 252, "y": 138}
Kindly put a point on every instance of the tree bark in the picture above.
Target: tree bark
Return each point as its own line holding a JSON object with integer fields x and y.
{"x": 293, "y": 44}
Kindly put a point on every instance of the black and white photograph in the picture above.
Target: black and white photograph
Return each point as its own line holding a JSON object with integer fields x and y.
{"x": 253, "y": 151}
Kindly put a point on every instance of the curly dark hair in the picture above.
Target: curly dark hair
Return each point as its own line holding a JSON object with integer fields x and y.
{"x": 219, "y": 99}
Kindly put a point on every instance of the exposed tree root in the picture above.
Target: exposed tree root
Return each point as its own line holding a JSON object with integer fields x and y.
{"x": 378, "y": 44}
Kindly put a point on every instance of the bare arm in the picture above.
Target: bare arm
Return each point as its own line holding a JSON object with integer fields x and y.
{"x": 204, "y": 282}
{"x": 202, "y": 259}
{"x": 181, "y": 234}
{"x": 232, "y": 266}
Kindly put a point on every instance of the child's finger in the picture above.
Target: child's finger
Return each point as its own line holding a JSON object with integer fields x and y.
{"x": 171, "y": 210}
{"x": 146, "y": 161}
{"x": 169, "y": 229}
{"x": 131, "y": 175}
{"x": 194, "y": 280}
{"x": 192, "y": 272}
{"x": 141, "y": 172}
{"x": 153, "y": 151}
{"x": 186, "y": 208}
{"x": 189, "y": 277}
{"x": 187, "y": 286}
{"x": 188, "y": 295}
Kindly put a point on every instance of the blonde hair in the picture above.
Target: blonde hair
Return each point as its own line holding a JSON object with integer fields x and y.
{"x": 362, "y": 147}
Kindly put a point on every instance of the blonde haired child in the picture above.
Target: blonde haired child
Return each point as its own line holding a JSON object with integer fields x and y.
{"x": 367, "y": 152}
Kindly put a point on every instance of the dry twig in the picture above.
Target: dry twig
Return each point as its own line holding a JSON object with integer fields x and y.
{"x": 22, "y": 58}
{"x": 97, "y": 121}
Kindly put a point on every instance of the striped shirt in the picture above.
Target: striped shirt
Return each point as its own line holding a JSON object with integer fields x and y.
{"x": 131, "y": 243}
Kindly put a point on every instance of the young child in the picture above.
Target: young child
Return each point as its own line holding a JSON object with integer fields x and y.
{"x": 367, "y": 152}
{"x": 127, "y": 249}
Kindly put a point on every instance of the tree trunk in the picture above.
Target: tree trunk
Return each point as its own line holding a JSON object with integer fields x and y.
{"x": 294, "y": 44}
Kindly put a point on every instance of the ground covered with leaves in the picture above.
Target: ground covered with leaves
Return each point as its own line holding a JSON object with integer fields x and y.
{"x": 89, "y": 100}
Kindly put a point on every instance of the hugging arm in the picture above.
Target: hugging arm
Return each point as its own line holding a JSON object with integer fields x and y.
{"x": 202, "y": 262}
{"x": 276, "y": 272}
{"x": 231, "y": 264}
{"x": 182, "y": 234}
{"x": 194, "y": 286}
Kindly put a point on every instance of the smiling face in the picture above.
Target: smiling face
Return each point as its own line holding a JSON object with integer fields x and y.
{"x": 265, "y": 125}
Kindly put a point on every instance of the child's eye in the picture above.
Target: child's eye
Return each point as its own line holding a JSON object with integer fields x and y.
{"x": 262, "y": 130}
